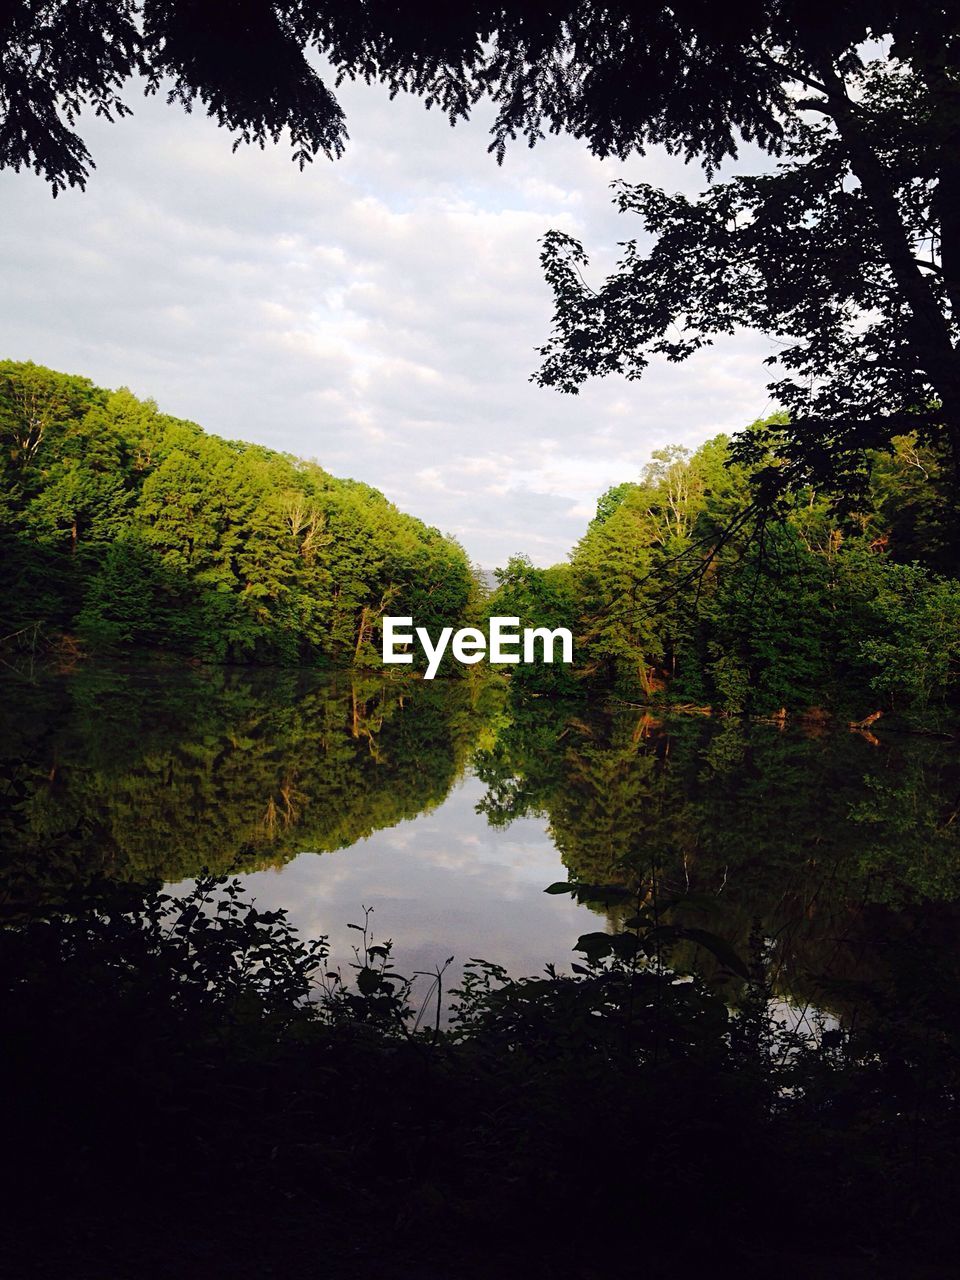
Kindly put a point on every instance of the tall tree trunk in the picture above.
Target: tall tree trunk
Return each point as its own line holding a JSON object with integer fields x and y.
{"x": 930, "y": 329}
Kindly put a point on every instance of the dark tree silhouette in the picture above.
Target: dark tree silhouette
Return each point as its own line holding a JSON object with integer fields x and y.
{"x": 621, "y": 76}
{"x": 849, "y": 252}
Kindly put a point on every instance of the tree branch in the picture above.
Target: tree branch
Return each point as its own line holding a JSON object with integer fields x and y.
{"x": 931, "y": 337}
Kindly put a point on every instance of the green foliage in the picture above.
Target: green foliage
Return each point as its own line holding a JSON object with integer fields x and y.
{"x": 682, "y": 592}
{"x": 157, "y": 772}
{"x": 912, "y": 650}
{"x": 538, "y": 598}
{"x": 136, "y": 529}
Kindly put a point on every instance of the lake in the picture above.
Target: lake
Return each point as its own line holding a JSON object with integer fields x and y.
{"x": 449, "y": 807}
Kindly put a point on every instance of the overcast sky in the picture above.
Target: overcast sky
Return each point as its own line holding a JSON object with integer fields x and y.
{"x": 379, "y": 314}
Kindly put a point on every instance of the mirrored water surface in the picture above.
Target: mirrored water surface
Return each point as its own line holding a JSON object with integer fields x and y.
{"x": 448, "y": 807}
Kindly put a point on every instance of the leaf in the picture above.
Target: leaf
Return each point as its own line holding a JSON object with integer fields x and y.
{"x": 592, "y": 892}
{"x": 625, "y": 945}
{"x": 595, "y": 945}
{"x": 718, "y": 947}
{"x": 663, "y": 935}
{"x": 368, "y": 981}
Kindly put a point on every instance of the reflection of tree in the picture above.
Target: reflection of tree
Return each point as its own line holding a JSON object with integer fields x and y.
{"x": 160, "y": 774}
{"x": 818, "y": 836}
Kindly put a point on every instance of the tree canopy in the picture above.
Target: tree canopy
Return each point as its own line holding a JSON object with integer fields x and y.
{"x": 619, "y": 75}
{"x": 131, "y": 528}
{"x": 674, "y": 597}
{"x": 847, "y": 253}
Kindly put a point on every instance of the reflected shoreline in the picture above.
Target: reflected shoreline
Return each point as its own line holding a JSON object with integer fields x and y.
{"x": 155, "y": 773}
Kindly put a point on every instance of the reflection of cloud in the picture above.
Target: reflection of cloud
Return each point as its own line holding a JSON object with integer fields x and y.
{"x": 445, "y": 883}
{"x": 379, "y": 314}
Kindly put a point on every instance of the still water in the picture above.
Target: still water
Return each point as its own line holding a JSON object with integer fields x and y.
{"x": 448, "y": 808}
{"x": 443, "y": 884}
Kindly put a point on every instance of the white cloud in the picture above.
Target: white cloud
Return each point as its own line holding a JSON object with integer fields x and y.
{"x": 433, "y": 883}
{"x": 379, "y": 314}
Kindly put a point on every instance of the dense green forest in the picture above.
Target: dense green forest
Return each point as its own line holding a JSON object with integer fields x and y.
{"x": 832, "y": 840}
{"x": 124, "y": 527}
{"x": 159, "y": 773}
{"x": 684, "y": 590}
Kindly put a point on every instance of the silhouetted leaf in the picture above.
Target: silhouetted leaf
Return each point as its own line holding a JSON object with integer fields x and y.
{"x": 718, "y": 947}
{"x": 595, "y": 945}
{"x": 625, "y": 945}
{"x": 368, "y": 981}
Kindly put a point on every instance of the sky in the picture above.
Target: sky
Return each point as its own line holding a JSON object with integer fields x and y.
{"x": 379, "y": 313}
{"x": 439, "y": 882}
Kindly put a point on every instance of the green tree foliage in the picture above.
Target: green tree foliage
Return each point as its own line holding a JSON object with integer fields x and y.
{"x": 137, "y": 529}
{"x": 538, "y": 598}
{"x": 681, "y": 592}
{"x": 912, "y": 650}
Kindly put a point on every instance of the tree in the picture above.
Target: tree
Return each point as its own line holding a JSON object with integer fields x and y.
{"x": 614, "y": 585}
{"x": 538, "y": 598}
{"x": 140, "y": 529}
{"x": 848, "y": 253}
{"x": 618, "y": 74}
{"x": 907, "y": 633}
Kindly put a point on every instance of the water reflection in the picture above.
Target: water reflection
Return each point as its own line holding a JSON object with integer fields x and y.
{"x": 448, "y": 808}
{"x": 825, "y": 841}
{"x": 445, "y": 884}
{"x": 159, "y": 773}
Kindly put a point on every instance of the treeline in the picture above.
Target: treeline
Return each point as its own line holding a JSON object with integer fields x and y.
{"x": 682, "y": 590}
{"x": 128, "y": 528}
{"x": 825, "y": 837}
{"x": 156, "y": 778}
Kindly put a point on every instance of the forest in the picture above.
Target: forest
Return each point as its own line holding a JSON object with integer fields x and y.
{"x": 122, "y": 528}
{"x": 745, "y": 787}
{"x": 682, "y": 592}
